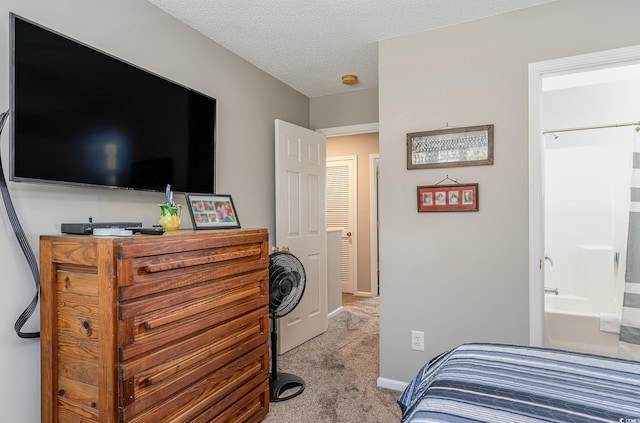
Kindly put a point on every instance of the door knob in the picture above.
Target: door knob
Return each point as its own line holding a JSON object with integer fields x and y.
{"x": 348, "y": 233}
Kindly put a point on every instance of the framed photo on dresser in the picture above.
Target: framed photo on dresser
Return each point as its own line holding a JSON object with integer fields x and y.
{"x": 212, "y": 211}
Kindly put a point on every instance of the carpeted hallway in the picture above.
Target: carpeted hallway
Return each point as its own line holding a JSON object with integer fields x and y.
{"x": 340, "y": 369}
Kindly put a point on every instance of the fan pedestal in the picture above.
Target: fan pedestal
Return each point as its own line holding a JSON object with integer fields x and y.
{"x": 286, "y": 285}
{"x": 283, "y": 383}
{"x": 282, "y": 386}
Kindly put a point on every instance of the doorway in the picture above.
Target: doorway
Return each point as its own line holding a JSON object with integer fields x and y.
{"x": 543, "y": 152}
{"x": 360, "y": 141}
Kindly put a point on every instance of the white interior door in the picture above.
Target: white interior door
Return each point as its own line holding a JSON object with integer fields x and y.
{"x": 342, "y": 207}
{"x": 301, "y": 226}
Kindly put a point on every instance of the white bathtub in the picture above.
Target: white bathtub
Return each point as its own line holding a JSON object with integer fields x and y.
{"x": 570, "y": 324}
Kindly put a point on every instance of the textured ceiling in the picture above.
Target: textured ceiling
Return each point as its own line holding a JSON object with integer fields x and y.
{"x": 310, "y": 44}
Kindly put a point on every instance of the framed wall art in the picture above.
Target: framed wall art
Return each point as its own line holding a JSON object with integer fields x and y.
{"x": 212, "y": 211}
{"x": 440, "y": 198}
{"x": 450, "y": 147}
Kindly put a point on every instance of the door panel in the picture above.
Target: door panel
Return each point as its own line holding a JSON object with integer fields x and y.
{"x": 293, "y": 204}
{"x": 301, "y": 226}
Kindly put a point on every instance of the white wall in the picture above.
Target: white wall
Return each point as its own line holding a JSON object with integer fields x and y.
{"x": 248, "y": 102}
{"x": 463, "y": 277}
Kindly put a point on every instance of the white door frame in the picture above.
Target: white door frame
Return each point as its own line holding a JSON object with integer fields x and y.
{"x": 603, "y": 59}
{"x": 365, "y": 128}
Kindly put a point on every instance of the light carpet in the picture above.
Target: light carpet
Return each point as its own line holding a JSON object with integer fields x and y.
{"x": 340, "y": 369}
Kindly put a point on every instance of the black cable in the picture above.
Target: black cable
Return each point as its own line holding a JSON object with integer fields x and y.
{"x": 24, "y": 244}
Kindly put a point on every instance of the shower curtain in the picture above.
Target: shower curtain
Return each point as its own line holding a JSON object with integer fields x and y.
{"x": 630, "y": 329}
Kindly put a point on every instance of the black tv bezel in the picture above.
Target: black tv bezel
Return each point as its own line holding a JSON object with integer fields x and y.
{"x": 12, "y": 177}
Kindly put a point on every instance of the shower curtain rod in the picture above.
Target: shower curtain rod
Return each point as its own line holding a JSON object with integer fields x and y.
{"x": 586, "y": 128}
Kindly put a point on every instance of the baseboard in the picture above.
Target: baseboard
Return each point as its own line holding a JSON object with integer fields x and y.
{"x": 395, "y": 385}
{"x": 335, "y": 312}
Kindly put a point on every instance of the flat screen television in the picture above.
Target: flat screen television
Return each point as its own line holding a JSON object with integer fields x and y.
{"x": 81, "y": 116}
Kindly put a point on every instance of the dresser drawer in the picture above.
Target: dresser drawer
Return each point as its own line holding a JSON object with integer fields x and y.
{"x": 155, "y": 271}
{"x": 173, "y": 316}
{"x": 198, "y": 380}
{"x": 252, "y": 409}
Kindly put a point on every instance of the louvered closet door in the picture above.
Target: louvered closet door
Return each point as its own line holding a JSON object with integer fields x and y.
{"x": 342, "y": 213}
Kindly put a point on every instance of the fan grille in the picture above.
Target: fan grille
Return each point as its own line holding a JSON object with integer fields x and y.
{"x": 287, "y": 280}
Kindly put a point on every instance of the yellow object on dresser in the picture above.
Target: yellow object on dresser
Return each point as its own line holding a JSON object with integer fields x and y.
{"x": 170, "y": 328}
{"x": 170, "y": 217}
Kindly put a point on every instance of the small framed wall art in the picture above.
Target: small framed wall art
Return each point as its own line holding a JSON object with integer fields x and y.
{"x": 212, "y": 211}
{"x": 439, "y": 198}
{"x": 450, "y": 147}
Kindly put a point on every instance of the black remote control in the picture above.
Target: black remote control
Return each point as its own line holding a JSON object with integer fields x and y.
{"x": 154, "y": 230}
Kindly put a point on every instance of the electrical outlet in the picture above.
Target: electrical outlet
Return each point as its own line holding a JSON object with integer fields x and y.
{"x": 417, "y": 340}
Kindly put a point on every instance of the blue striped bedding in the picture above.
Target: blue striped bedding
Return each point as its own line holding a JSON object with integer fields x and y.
{"x": 496, "y": 383}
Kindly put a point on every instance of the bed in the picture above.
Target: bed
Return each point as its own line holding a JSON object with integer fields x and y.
{"x": 497, "y": 383}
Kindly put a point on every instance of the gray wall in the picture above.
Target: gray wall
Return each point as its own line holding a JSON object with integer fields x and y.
{"x": 345, "y": 109}
{"x": 463, "y": 277}
{"x": 248, "y": 102}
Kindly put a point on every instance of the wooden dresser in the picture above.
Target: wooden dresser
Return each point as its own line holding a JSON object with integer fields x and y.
{"x": 170, "y": 328}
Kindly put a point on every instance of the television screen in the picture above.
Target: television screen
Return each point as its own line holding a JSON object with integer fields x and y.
{"x": 80, "y": 116}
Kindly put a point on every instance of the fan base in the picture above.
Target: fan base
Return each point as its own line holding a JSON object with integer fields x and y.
{"x": 283, "y": 383}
